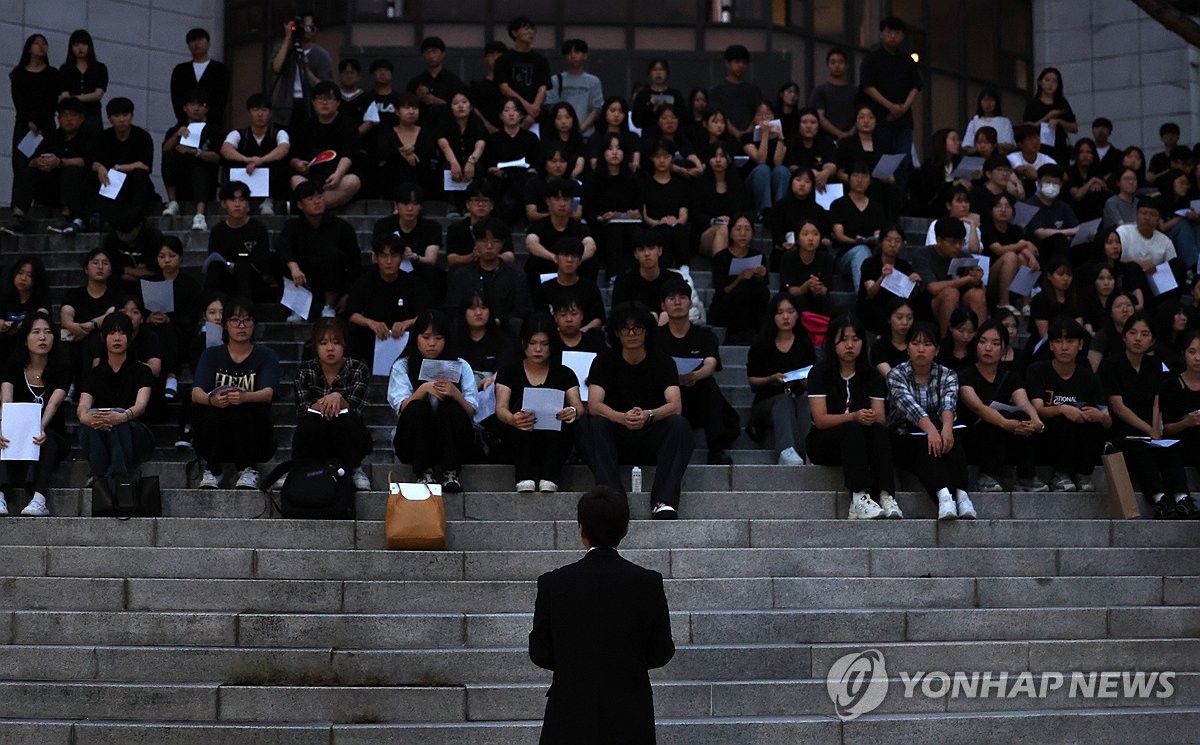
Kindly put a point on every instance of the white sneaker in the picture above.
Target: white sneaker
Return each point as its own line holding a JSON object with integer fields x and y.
{"x": 547, "y": 487}
{"x": 790, "y": 457}
{"x": 862, "y": 507}
{"x": 267, "y": 209}
{"x": 172, "y": 209}
{"x": 966, "y": 510}
{"x": 199, "y": 223}
{"x": 361, "y": 482}
{"x": 946, "y": 509}
{"x": 210, "y": 480}
{"x": 3, "y": 506}
{"x": 891, "y": 509}
{"x": 247, "y": 479}
{"x": 295, "y": 318}
{"x": 328, "y": 312}
{"x": 36, "y": 507}
{"x": 528, "y": 486}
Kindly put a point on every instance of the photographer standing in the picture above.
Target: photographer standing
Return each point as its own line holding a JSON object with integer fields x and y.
{"x": 298, "y": 53}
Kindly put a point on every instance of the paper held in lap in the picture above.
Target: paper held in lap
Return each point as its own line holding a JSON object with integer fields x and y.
{"x": 898, "y": 284}
{"x": 22, "y": 423}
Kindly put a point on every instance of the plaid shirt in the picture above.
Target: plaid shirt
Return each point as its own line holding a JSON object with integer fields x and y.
{"x": 909, "y": 401}
{"x": 351, "y": 382}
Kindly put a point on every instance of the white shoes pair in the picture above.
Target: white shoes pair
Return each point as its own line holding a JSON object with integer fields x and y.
{"x": 862, "y": 507}
{"x": 528, "y": 486}
{"x": 953, "y": 508}
{"x": 247, "y": 479}
{"x": 36, "y": 507}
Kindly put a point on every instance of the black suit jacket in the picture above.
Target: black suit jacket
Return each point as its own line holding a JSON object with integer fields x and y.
{"x": 600, "y": 624}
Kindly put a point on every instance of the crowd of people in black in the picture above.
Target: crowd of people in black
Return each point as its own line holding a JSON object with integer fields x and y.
{"x": 1090, "y": 249}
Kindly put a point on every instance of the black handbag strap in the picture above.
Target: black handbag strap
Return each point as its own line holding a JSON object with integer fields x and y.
{"x": 265, "y": 484}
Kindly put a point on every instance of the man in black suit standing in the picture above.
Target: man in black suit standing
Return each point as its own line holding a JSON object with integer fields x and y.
{"x": 600, "y": 624}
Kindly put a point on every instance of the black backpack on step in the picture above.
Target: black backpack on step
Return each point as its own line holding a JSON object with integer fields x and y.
{"x": 321, "y": 490}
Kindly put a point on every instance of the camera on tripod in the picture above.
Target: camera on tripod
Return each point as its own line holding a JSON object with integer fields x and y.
{"x": 299, "y": 29}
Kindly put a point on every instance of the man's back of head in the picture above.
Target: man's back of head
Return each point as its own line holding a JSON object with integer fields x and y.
{"x": 603, "y": 516}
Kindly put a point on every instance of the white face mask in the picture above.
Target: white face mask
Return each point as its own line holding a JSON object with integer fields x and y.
{"x": 1050, "y": 191}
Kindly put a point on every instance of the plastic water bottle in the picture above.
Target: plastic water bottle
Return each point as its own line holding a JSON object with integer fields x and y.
{"x": 341, "y": 472}
{"x": 635, "y": 479}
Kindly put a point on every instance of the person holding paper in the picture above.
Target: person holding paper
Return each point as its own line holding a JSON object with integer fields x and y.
{"x": 612, "y": 204}
{"x": 1069, "y": 398}
{"x": 634, "y": 412}
{"x": 933, "y": 264}
{"x": 568, "y": 255}
{"x": 331, "y": 391}
{"x": 1179, "y": 401}
{"x": 741, "y": 291}
{"x": 805, "y": 273}
{"x": 922, "y": 406}
{"x": 58, "y": 174}
{"x": 718, "y": 194}
{"x": 433, "y": 429}
{"x": 129, "y": 151}
{"x": 383, "y": 302}
{"x": 262, "y": 145}
{"x": 847, "y": 395}
{"x": 655, "y": 93}
{"x": 856, "y": 219}
{"x": 765, "y": 144}
{"x": 324, "y": 148}
{"x": 1000, "y": 420}
{"x": 461, "y": 137}
{"x": 113, "y": 397}
{"x": 176, "y": 328}
{"x": 190, "y": 158}
{"x": 1005, "y": 244}
{"x": 539, "y": 453}
{"x": 1048, "y": 106}
{"x": 233, "y": 388}
{"x": 509, "y": 158}
{"x": 35, "y": 85}
{"x": 934, "y": 180}
{"x": 1132, "y": 381}
{"x": 780, "y": 403}
{"x": 1178, "y": 220}
{"x": 704, "y": 406}
{"x": 874, "y": 299}
{"x": 377, "y": 109}
{"x": 499, "y": 282}
{"x": 320, "y": 250}
{"x": 247, "y": 267}
{"x": 32, "y": 375}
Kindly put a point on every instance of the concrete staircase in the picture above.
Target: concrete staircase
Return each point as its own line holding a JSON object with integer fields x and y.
{"x": 219, "y": 623}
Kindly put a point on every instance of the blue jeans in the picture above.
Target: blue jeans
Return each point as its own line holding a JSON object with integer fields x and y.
{"x": 850, "y": 262}
{"x": 118, "y": 451}
{"x": 1186, "y": 237}
{"x": 768, "y": 184}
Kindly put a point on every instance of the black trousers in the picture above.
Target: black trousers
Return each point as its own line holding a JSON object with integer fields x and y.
{"x": 1073, "y": 448}
{"x": 244, "y": 280}
{"x": 705, "y": 407}
{"x": 614, "y": 246}
{"x": 242, "y": 435}
{"x": 991, "y": 448}
{"x": 52, "y": 452}
{"x": 740, "y": 310}
{"x": 1156, "y": 470}
{"x": 62, "y": 187}
{"x": 134, "y": 199}
{"x": 540, "y": 454}
{"x": 864, "y": 453}
{"x": 193, "y": 179}
{"x": 946, "y": 472}
{"x": 605, "y": 444}
{"x": 428, "y": 437}
{"x": 344, "y": 437}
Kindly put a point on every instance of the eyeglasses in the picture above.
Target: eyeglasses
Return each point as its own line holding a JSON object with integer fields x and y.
{"x": 633, "y": 330}
{"x": 241, "y": 321}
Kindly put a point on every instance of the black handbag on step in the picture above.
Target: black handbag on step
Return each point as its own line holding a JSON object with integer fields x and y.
{"x": 126, "y": 496}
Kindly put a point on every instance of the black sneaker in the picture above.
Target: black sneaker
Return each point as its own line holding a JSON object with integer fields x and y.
{"x": 1164, "y": 509}
{"x": 450, "y": 483}
{"x": 719, "y": 457}
{"x": 665, "y": 512}
{"x": 16, "y": 225}
{"x": 1186, "y": 508}
{"x": 70, "y": 227}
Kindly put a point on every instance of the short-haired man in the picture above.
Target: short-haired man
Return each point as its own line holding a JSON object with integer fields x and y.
{"x": 644, "y": 283}
{"x": 834, "y": 100}
{"x": 543, "y": 234}
{"x": 568, "y": 255}
{"x": 1108, "y": 156}
{"x": 249, "y": 269}
{"x": 261, "y": 145}
{"x": 460, "y": 243}
{"x": 189, "y": 171}
{"x": 522, "y": 73}
{"x": 577, "y": 87}
{"x": 498, "y": 282}
{"x": 289, "y": 106}
{"x": 601, "y": 687}
{"x": 327, "y": 132}
{"x": 634, "y": 410}
{"x": 933, "y": 264}
{"x": 435, "y": 85}
{"x": 201, "y": 72}
{"x": 1160, "y": 162}
{"x": 128, "y": 149}
{"x": 1143, "y": 244}
{"x": 1054, "y": 225}
{"x": 58, "y": 174}
{"x": 319, "y": 250}
{"x": 735, "y": 96}
{"x": 891, "y": 81}
{"x": 384, "y": 301}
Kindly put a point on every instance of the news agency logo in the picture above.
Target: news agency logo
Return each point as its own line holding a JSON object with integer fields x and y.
{"x": 857, "y": 684}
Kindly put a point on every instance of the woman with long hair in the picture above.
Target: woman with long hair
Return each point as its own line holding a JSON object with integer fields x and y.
{"x": 1049, "y": 106}
{"x": 1121, "y": 207}
{"x": 1087, "y": 191}
{"x": 34, "y": 85}
{"x": 739, "y": 298}
{"x": 765, "y": 145}
{"x": 461, "y": 138}
{"x": 615, "y": 113}
{"x": 85, "y": 78}
{"x": 26, "y": 290}
{"x": 563, "y": 127}
{"x": 1179, "y": 404}
{"x": 612, "y": 202}
{"x": 990, "y": 113}
{"x": 657, "y": 92}
{"x": 718, "y": 195}
{"x": 772, "y": 367}
{"x": 873, "y": 299}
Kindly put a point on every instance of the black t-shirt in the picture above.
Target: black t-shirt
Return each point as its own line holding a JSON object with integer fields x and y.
{"x": 55, "y": 377}
{"x": 990, "y": 234}
{"x": 764, "y": 358}
{"x": 883, "y": 351}
{"x": 488, "y": 100}
{"x": 143, "y": 252}
{"x": 793, "y": 272}
{"x": 592, "y": 341}
{"x": 425, "y": 232}
{"x": 116, "y": 389}
{"x": 388, "y": 302}
{"x": 211, "y": 137}
{"x": 87, "y": 307}
{"x": 632, "y": 286}
{"x": 82, "y": 145}
{"x": 664, "y": 199}
{"x": 525, "y": 72}
{"x": 946, "y": 358}
{"x": 250, "y": 241}
{"x": 585, "y": 293}
{"x": 845, "y": 395}
{"x": 1056, "y": 216}
{"x": 77, "y": 83}
{"x": 548, "y": 235}
{"x": 856, "y": 222}
{"x": 605, "y": 193}
{"x": 1137, "y": 388}
{"x": 1176, "y": 400}
{"x": 628, "y": 386}
{"x": 893, "y": 75}
{"x": 1044, "y": 307}
{"x": 720, "y": 270}
{"x": 461, "y": 141}
{"x": 491, "y": 353}
{"x": 813, "y": 157}
{"x": 698, "y": 343}
{"x": 311, "y": 138}
{"x": 1082, "y": 388}
{"x": 559, "y": 378}
{"x": 35, "y": 96}
{"x": 1001, "y": 389}
{"x": 138, "y": 146}
{"x": 500, "y": 148}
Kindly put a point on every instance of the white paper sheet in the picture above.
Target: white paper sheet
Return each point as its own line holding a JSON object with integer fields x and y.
{"x": 22, "y": 423}
{"x": 1046, "y": 133}
{"x": 1086, "y": 232}
{"x": 798, "y": 374}
{"x": 772, "y": 135}
{"x": 737, "y": 266}
{"x": 545, "y": 403}
{"x": 371, "y": 114}
{"x": 685, "y": 365}
{"x": 825, "y": 198}
{"x": 1023, "y": 213}
{"x": 898, "y": 284}
{"x": 1005, "y": 408}
{"x": 259, "y": 182}
{"x": 116, "y": 179}
{"x": 741, "y": 160}
{"x": 1024, "y": 281}
{"x": 29, "y": 144}
{"x": 296, "y": 298}
{"x": 1163, "y": 279}
{"x": 887, "y": 165}
{"x": 387, "y": 351}
{"x": 625, "y": 221}
{"x": 158, "y": 296}
{"x": 486, "y": 404}
{"x": 406, "y": 266}
{"x": 449, "y": 184}
{"x": 440, "y": 370}
{"x": 580, "y": 363}
{"x": 983, "y": 262}
{"x": 195, "y": 129}
{"x": 512, "y": 164}
{"x": 545, "y": 277}
{"x": 967, "y": 167}
{"x": 212, "y": 335}
{"x": 536, "y": 129}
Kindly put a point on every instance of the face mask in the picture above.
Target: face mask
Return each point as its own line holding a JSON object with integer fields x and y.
{"x": 1050, "y": 191}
